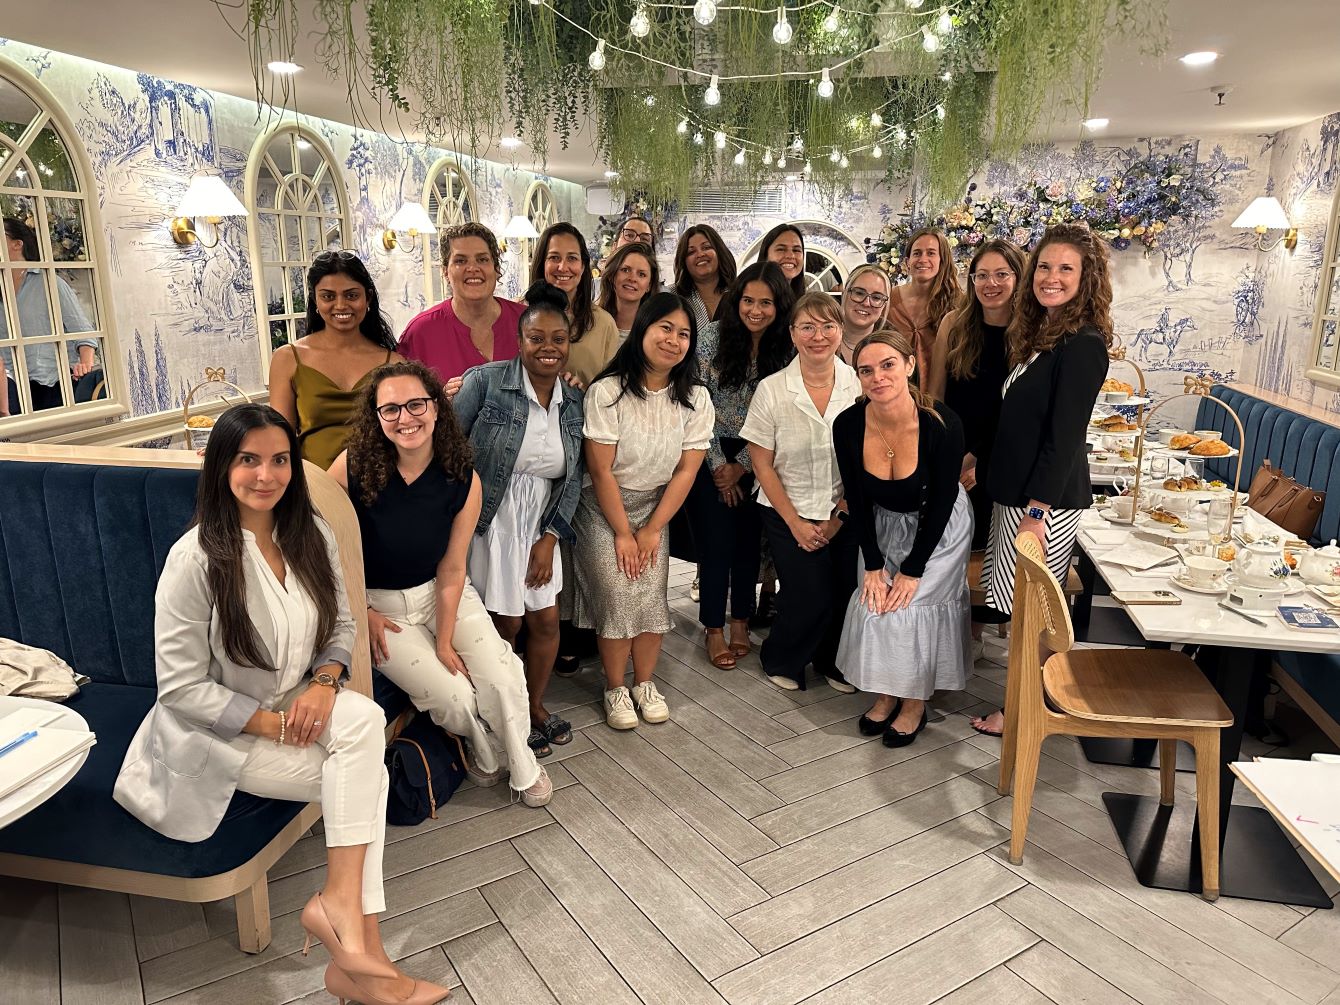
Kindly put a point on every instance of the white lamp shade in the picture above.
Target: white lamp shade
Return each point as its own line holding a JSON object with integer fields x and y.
{"x": 412, "y": 218}
{"x": 1264, "y": 211}
{"x": 209, "y": 195}
{"x": 520, "y": 226}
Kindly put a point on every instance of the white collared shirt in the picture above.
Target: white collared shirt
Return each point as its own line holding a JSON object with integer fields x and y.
{"x": 783, "y": 419}
{"x": 541, "y": 453}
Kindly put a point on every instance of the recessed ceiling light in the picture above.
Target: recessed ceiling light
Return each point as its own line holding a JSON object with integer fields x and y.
{"x": 611, "y": 174}
{"x": 1200, "y": 58}
{"x": 509, "y": 143}
{"x": 283, "y": 66}
{"x": 1093, "y": 124}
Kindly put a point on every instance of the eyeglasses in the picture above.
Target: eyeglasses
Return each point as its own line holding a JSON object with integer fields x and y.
{"x": 860, "y": 296}
{"x": 322, "y": 257}
{"x": 809, "y": 330}
{"x": 641, "y": 236}
{"x": 391, "y": 411}
{"x": 1001, "y": 278}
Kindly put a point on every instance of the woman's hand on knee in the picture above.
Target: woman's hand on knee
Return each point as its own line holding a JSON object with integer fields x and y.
{"x": 451, "y": 659}
{"x": 902, "y": 591}
{"x": 309, "y": 714}
{"x": 378, "y": 625}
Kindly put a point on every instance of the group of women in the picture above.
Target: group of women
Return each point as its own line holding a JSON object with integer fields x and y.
{"x": 515, "y": 468}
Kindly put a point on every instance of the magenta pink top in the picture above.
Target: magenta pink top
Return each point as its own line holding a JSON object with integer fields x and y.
{"x": 437, "y": 338}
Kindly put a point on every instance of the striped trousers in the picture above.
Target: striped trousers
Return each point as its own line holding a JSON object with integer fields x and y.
{"x": 1061, "y": 526}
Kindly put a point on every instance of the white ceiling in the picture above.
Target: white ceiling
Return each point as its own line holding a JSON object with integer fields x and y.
{"x": 1280, "y": 59}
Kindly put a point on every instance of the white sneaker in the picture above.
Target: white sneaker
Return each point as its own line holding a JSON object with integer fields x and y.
{"x": 785, "y": 683}
{"x": 650, "y": 702}
{"x": 540, "y": 791}
{"x": 695, "y": 594}
{"x": 978, "y": 650}
{"x": 619, "y": 712}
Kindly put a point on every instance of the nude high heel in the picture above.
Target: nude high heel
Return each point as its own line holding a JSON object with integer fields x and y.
{"x": 347, "y": 989}
{"x": 316, "y": 923}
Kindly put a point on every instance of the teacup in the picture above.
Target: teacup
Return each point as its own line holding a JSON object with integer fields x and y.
{"x": 1122, "y": 507}
{"x": 1204, "y": 570}
{"x": 1118, "y": 441}
{"x": 1116, "y": 397}
{"x": 1166, "y": 435}
{"x": 1209, "y": 434}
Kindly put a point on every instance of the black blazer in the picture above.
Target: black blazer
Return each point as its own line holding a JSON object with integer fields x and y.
{"x": 1040, "y": 449}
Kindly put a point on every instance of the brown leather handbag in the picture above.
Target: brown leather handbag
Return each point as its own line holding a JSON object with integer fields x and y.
{"x": 1285, "y": 502}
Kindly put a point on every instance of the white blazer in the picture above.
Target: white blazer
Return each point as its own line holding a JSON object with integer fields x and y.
{"x": 181, "y": 771}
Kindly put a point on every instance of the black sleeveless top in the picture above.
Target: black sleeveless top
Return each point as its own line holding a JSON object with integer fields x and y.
{"x": 405, "y": 532}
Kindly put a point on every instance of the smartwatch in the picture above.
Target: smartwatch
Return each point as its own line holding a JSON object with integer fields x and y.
{"x": 1037, "y": 513}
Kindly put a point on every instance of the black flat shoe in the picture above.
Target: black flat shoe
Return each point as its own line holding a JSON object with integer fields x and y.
{"x": 873, "y": 727}
{"x": 893, "y": 738}
{"x": 566, "y": 666}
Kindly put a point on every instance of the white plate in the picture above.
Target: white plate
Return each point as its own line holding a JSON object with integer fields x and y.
{"x": 1186, "y": 584}
{"x": 1329, "y": 595}
{"x": 1186, "y": 452}
{"x": 1107, "y": 514}
{"x": 1289, "y": 586}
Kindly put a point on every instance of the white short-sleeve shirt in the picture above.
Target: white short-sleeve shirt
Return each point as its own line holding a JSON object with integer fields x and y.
{"x": 783, "y": 419}
{"x": 650, "y": 433}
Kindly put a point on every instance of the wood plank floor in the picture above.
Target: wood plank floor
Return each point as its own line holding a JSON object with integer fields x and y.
{"x": 755, "y": 849}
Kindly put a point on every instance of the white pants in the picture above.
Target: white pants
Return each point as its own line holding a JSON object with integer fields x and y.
{"x": 344, "y": 770}
{"x": 497, "y": 702}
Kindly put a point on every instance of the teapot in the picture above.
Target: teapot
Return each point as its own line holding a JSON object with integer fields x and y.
{"x": 1261, "y": 565}
{"x": 1320, "y": 566}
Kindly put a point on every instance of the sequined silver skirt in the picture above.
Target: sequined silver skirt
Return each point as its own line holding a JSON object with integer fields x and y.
{"x": 605, "y": 599}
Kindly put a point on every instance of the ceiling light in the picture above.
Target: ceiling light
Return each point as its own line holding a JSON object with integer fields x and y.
{"x": 831, "y": 23}
{"x": 640, "y": 25}
{"x": 596, "y": 60}
{"x": 611, "y": 174}
{"x": 284, "y": 67}
{"x": 739, "y": 157}
{"x": 876, "y": 151}
{"x": 781, "y": 31}
{"x": 1200, "y": 58}
{"x": 1095, "y": 124}
{"x": 704, "y": 12}
{"x": 509, "y": 143}
{"x": 712, "y": 96}
{"x": 825, "y": 85}
{"x": 720, "y": 140}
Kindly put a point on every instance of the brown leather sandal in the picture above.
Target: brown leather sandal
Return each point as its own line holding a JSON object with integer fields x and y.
{"x": 744, "y": 648}
{"x": 724, "y": 660}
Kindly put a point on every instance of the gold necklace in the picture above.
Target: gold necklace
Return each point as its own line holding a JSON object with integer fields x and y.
{"x": 817, "y": 387}
{"x": 888, "y": 450}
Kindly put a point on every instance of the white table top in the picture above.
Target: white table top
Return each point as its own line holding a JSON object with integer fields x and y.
{"x": 46, "y": 785}
{"x": 1304, "y": 796}
{"x": 1198, "y": 618}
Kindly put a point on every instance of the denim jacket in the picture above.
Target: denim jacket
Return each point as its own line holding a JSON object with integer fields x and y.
{"x": 492, "y": 408}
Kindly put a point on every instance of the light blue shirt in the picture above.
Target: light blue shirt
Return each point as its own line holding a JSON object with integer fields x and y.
{"x": 35, "y": 322}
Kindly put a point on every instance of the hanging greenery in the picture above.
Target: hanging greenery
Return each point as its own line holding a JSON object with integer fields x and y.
{"x": 899, "y": 87}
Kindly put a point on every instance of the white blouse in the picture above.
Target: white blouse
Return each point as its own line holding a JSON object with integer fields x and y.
{"x": 783, "y": 419}
{"x": 649, "y": 433}
{"x": 293, "y": 614}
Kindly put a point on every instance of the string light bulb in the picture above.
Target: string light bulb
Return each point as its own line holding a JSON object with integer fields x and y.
{"x": 929, "y": 41}
{"x": 940, "y": 112}
{"x": 640, "y": 24}
{"x": 704, "y": 12}
{"x": 698, "y": 138}
{"x": 876, "y": 120}
{"x": 808, "y": 167}
{"x": 944, "y": 24}
{"x": 683, "y": 127}
{"x": 825, "y": 84}
{"x": 720, "y": 140}
{"x": 834, "y": 156}
{"x": 844, "y": 163}
{"x": 781, "y": 31}
{"x": 877, "y": 151}
{"x": 947, "y": 76}
{"x": 797, "y": 145}
{"x": 781, "y": 162}
{"x": 900, "y": 135}
{"x": 832, "y": 23}
{"x": 739, "y": 157}
{"x": 767, "y": 157}
{"x": 649, "y": 101}
{"x": 712, "y": 96}
{"x": 914, "y": 4}
{"x": 596, "y": 60}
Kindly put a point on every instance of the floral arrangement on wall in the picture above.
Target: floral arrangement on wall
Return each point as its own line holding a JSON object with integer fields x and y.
{"x": 1135, "y": 206}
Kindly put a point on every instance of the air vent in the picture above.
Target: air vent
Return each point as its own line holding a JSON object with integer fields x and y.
{"x": 735, "y": 201}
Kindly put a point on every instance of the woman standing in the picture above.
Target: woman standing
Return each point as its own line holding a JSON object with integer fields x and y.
{"x": 525, "y": 427}
{"x": 648, "y": 424}
{"x": 704, "y": 271}
{"x": 563, "y": 260}
{"x": 906, "y": 632}
{"x": 865, "y": 305}
{"x": 316, "y": 382}
{"x": 784, "y": 246}
{"x": 789, "y": 429}
{"x": 473, "y": 326}
{"x": 631, "y": 275}
{"x": 408, "y": 474}
{"x": 917, "y": 308}
{"x": 1057, "y": 341}
{"x": 748, "y": 343}
{"x": 252, "y": 637}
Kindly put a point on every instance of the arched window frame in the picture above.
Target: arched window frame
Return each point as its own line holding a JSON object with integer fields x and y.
{"x": 293, "y": 267}
{"x": 832, "y": 260}
{"x": 541, "y": 211}
{"x": 461, "y": 207}
{"x": 110, "y": 356}
{"x": 1324, "y": 360}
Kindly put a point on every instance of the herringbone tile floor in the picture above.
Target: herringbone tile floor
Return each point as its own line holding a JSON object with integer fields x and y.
{"x": 755, "y": 849}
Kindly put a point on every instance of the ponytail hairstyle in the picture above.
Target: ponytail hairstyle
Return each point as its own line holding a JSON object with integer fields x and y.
{"x": 964, "y": 344}
{"x": 902, "y": 345}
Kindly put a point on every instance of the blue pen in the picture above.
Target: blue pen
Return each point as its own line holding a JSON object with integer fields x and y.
{"x": 17, "y": 742}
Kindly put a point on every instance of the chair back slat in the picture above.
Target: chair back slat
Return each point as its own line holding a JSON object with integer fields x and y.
{"x": 1040, "y": 588}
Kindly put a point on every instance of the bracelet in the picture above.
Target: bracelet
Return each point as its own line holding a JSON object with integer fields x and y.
{"x": 283, "y": 728}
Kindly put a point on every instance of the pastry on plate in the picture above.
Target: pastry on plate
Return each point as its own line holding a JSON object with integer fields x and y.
{"x": 1183, "y": 440}
{"x": 1161, "y": 515}
{"x": 1190, "y": 483}
{"x": 1173, "y": 485}
{"x": 1112, "y": 384}
{"x": 1211, "y": 448}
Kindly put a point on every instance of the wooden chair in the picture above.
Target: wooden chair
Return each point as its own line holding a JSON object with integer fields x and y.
{"x": 976, "y": 595}
{"x": 1133, "y": 693}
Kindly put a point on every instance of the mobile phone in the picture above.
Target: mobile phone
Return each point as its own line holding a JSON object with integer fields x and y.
{"x": 1156, "y": 597}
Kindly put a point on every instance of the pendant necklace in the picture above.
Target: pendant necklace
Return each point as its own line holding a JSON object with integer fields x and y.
{"x": 888, "y": 450}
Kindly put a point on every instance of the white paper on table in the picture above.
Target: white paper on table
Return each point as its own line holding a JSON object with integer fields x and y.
{"x": 1139, "y": 555}
{"x": 1304, "y": 794}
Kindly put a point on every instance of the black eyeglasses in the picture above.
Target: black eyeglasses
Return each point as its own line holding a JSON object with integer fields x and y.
{"x": 335, "y": 256}
{"x": 860, "y": 296}
{"x": 391, "y": 411}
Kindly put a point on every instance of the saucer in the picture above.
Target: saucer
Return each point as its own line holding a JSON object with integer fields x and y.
{"x": 1186, "y": 584}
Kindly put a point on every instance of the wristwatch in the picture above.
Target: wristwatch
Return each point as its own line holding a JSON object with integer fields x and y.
{"x": 327, "y": 680}
{"x": 1037, "y": 513}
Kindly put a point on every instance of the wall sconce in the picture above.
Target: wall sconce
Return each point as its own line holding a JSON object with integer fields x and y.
{"x": 207, "y": 198}
{"x": 518, "y": 228}
{"x": 411, "y": 219}
{"x": 1265, "y": 213}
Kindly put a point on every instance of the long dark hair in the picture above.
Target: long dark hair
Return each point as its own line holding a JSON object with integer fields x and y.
{"x": 735, "y": 343}
{"x": 374, "y": 326}
{"x": 770, "y": 238}
{"x": 372, "y": 457}
{"x": 629, "y": 364}
{"x": 219, "y": 532}
{"x": 17, "y": 230}
{"x": 964, "y": 346}
{"x": 726, "y": 265}
{"x": 583, "y": 312}
{"x": 608, "y": 298}
{"x": 1032, "y": 329}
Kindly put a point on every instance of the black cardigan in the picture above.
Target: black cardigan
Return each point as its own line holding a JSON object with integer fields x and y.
{"x": 1040, "y": 447}
{"x": 939, "y": 461}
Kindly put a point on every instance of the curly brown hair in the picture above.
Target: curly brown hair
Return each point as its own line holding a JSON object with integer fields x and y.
{"x": 470, "y": 228}
{"x": 372, "y": 455}
{"x": 1033, "y": 329}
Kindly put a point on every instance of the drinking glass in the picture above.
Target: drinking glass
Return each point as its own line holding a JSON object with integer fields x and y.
{"x": 1219, "y": 521}
{"x": 1194, "y": 467}
{"x": 1158, "y": 467}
